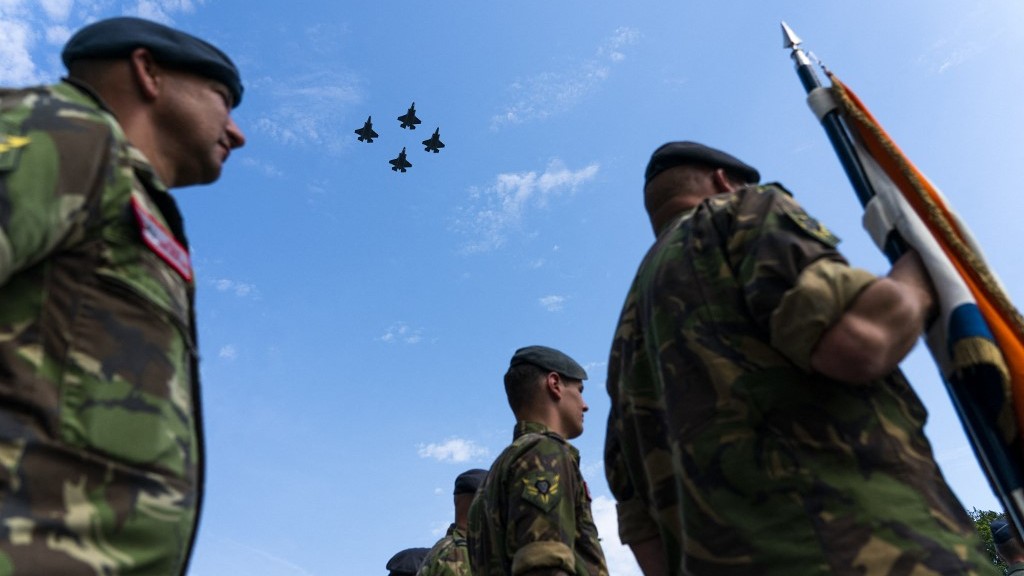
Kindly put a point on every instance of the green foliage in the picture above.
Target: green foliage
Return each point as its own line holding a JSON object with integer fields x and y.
{"x": 981, "y": 520}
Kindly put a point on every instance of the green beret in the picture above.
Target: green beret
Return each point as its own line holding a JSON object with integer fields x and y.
{"x": 117, "y": 37}
{"x": 676, "y": 153}
{"x": 407, "y": 562}
{"x": 549, "y": 359}
{"x": 469, "y": 481}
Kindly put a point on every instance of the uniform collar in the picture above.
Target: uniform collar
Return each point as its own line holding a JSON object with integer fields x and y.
{"x": 524, "y": 427}
{"x": 527, "y": 427}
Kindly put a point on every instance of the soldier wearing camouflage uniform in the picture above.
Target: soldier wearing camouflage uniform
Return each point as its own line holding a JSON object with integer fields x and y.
{"x": 532, "y": 514}
{"x": 100, "y": 427}
{"x": 759, "y": 423}
{"x": 450, "y": 556}
{"x": 1008, "y": 546}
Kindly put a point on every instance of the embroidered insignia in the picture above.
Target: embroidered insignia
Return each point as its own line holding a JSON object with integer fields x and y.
{"x": 162, "y": 242}
{"x": 815, "y": 229}
{"x": 542, "y": 490}
{"x": 10, "y": 150}
{"x": 13, "y": 142}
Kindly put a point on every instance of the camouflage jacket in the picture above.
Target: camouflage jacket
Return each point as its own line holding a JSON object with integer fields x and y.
{"x": 533, "y": 510}
{"x": 724, "y": 444}
{"x": 100, "y": 432}
{"x": 449, "y": 557}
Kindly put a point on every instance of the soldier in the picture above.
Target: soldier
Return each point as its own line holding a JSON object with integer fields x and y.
{"x": 1008, "y": 546}
{"x": 759, "y": 423}
{"x": 100, "y": 425}
{"x": 450, "y": 556}
{"x": 532, "y": 514}
{"x": 406, "y": 562}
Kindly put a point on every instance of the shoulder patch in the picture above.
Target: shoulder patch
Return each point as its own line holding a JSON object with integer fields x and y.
{"x": 809, "y": 225}
{"x": 542, "y": 489}
{"x": 162, "y": 242}
{"x": 10, "y": 146}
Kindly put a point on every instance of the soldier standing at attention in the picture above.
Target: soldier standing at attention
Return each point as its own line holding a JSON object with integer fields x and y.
{"x": 450, "y": 556}
{"x": 532, "y": 515}
{"x": 100, "y": 423}
{"x": 759, "y": 423}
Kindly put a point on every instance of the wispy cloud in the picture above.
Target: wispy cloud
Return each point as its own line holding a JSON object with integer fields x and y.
{"x": 229, "y": 556}
{"x": 26, "y": 24}
{"x": 240, "y": 289}
{"x": 400, "y": 332}
{"x": 493, "y": 210}
{"x": 265, "y": 168}
{"x": 454, "y": 450}
{"x": 228, "y": 352}
{"x": 553, "y": 303}
{"x": 550, "y": 93}
{"x": 308, "y": 109}
{"x": 949, "y": 54}
{"x": 163, "y": 10}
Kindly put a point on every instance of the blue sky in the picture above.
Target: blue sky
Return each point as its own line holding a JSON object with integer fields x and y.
{"x": 355, "y": 322}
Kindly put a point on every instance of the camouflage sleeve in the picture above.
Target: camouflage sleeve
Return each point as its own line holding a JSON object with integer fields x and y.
{"x": 822, "y": 293}
{"x": 630, "y": 507}
{"x": 541, "y": 509}
{"x": 46, "y": 173}
{"x": 771, "y": 243}
{"x": 627, "y": 479}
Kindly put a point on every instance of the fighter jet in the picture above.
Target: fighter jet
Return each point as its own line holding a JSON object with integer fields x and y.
{"x": 366, "y": 133}
{"x": 434, "y": 144}
{"x": 409, "y": 119}
{"x": 400, "y": 164}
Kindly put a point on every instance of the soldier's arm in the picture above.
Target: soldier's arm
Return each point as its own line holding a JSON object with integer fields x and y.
{"x": 541, "y": 515}
{"x": 880, "y": 328}
{"x": 650, "y": 555}
{"x": 43, "y": 191}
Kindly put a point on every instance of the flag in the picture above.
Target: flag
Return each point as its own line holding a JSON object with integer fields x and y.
{"x": 977, "y": 339}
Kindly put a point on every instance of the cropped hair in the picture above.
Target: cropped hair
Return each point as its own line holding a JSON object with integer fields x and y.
{"x": 522, "y": 383}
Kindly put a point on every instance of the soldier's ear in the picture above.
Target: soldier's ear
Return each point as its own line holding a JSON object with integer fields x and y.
{"x": 553, "y": 384}
{"x": 146, "y": 72}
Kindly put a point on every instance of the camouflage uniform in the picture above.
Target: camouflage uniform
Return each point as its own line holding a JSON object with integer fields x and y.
{"x": 100, "y": 432}
{"x": 533, "y": 510}
{"x": 449, "y": 557}
{"x": 724, "y": 444}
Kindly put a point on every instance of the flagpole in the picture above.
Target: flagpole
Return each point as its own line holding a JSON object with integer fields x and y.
{"x": 1002, "y": 468}
{"x": 839, "y": 136}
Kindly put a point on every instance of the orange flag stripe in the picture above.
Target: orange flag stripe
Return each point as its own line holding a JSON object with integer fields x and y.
{"x": 1002, "y": 317}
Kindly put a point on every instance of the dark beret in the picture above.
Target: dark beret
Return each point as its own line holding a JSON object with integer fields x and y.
{"x": 407, "y": 562}
{"x": 469, "y": 481}
{"x": 676, "y": 153}
{"x": 549, "y": 359}
{"x": 1001, "y": 531}
{"x": 116, "y": 37}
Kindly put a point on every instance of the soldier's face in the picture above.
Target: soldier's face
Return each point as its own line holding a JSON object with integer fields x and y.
{"x": 198, "y": 115}
{"x": 572, "y": 407}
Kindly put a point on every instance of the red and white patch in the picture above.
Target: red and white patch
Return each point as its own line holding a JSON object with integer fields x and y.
{"x": 162, "y": 242}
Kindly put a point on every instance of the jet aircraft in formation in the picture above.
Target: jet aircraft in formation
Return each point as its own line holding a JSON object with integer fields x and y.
{"x": 408, "y": 120}
{"x": 366, "y": 133}
{"x": 434, "y": 144}
{"x": 400, "y": 164}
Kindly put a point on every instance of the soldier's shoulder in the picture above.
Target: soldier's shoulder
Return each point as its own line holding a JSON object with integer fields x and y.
{"x": 547, "y": 441}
